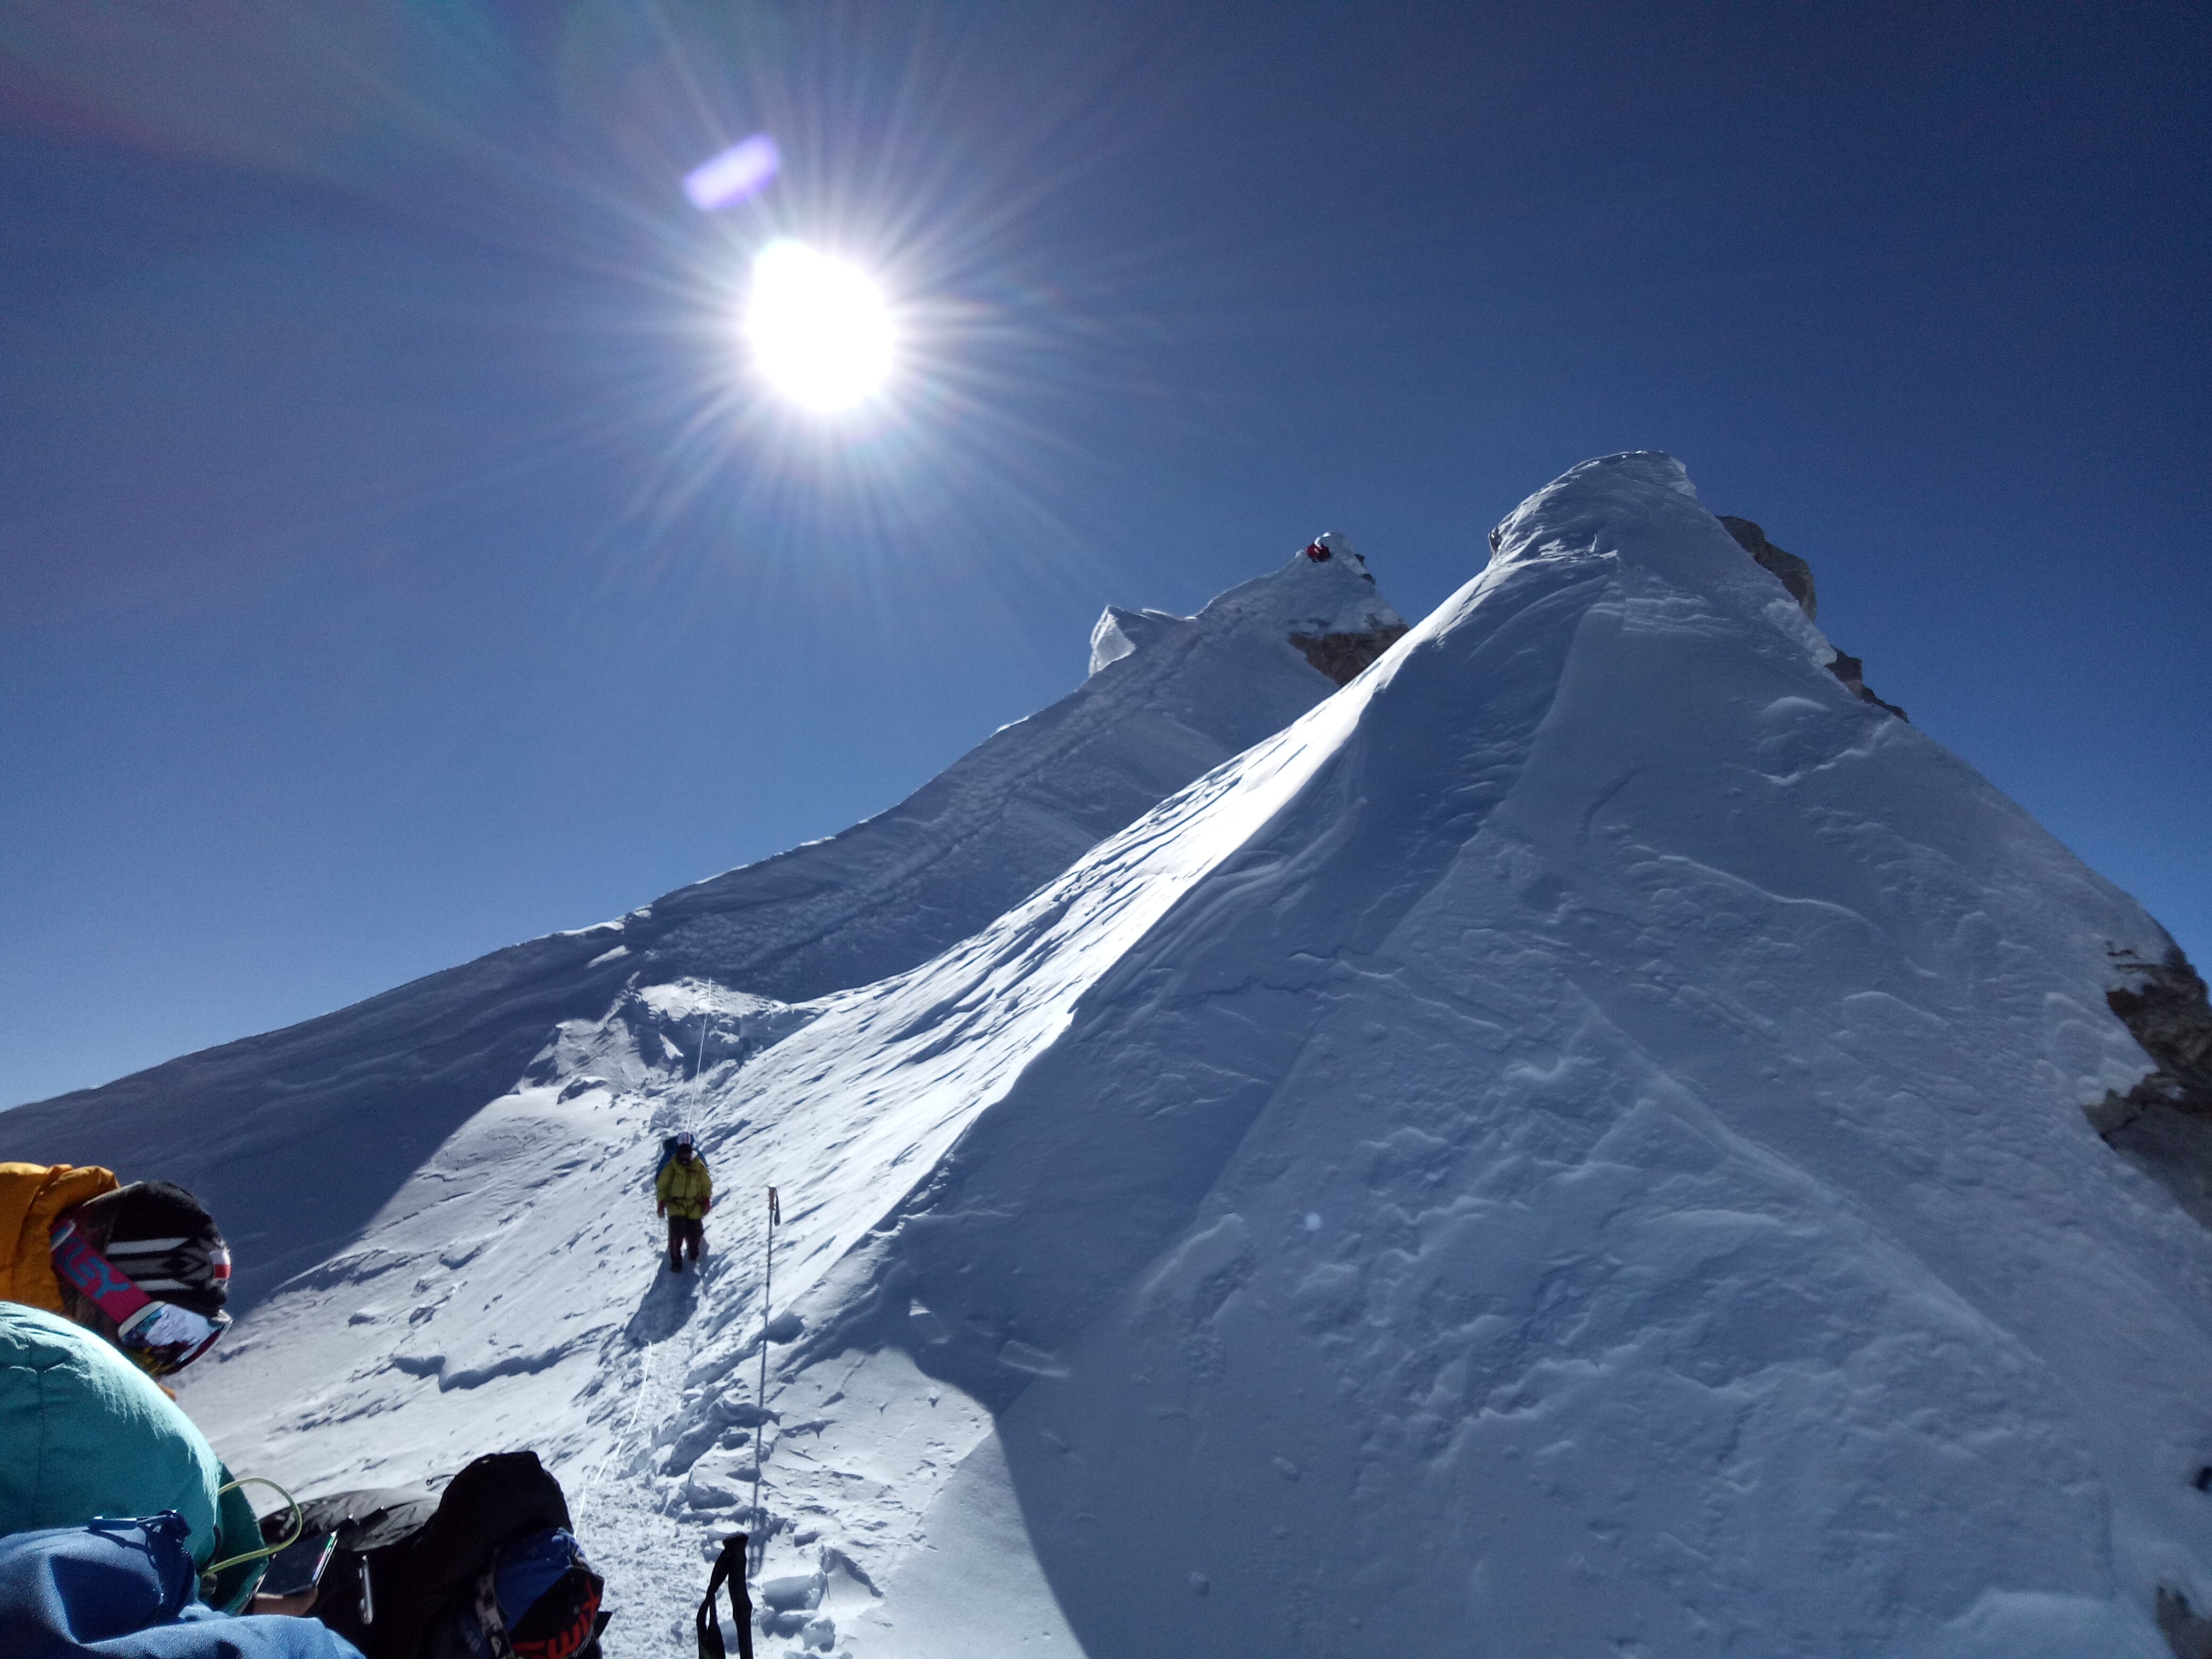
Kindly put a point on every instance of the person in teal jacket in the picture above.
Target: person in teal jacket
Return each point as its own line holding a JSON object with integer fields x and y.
{"x": 87, "y": 1433}
{"x": 143, "y": 1268}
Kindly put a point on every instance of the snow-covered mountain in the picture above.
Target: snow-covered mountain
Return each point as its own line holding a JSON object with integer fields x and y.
{"x": 362, "y": 1096}
{"x": 1580, "y": 1143}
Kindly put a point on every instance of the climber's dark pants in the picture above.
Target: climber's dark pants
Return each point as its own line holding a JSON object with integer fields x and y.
{"x": 684, "y": 1232}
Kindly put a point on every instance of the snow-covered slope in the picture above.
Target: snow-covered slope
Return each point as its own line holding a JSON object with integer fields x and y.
{"x": 1575, "y": 1146}
{"x": 362, "y": 1096}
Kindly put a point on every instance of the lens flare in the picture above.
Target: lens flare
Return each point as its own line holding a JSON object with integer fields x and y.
{"x": 819, "y": 329}
{"x": 738, "y": 174}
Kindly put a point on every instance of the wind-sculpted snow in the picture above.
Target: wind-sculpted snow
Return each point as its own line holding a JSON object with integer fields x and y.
{"x": 1575, "y": 1146}
{"x": 363, "y": 1096}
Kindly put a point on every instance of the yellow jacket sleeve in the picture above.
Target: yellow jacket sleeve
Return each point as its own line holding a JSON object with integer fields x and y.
{"x": 32, "y": 1198}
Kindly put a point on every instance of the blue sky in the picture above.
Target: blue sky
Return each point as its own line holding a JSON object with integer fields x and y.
{"x": 395, "y": 560}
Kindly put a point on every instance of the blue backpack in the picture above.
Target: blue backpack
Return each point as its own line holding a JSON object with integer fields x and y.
{"x": 540, "y": 1594}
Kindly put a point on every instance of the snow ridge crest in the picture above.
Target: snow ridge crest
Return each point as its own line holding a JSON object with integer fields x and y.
{"x": 1308, "y": 597}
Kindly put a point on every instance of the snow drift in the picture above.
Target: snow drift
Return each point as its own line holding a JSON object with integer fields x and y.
{"x": 1576, "y": 1146}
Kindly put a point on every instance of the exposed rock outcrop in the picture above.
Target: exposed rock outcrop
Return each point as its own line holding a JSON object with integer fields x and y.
{"x": 2164, "y": 1124}
{"x": 1794, "y": 574}
{"x": 1852, "y": 672}
{"x": 1341, "y": 656}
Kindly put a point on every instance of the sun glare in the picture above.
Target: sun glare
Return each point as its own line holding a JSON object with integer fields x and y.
{"x": 819, "y": 329}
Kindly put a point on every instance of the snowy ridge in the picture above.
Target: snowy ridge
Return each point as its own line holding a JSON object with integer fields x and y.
{"x": 1576, "y": 1146}
{"x": 373, "y": 1090}
{"x": 1307, "y": 598}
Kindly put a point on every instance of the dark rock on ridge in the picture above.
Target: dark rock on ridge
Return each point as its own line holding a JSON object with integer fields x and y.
{"x": 2164, "y": 1124}
{"x": 1341, "y": 656}
{"x": 1852, "y": 672}
{"x": 1794, "y": 574}
{"x": 2167, "y": 1010}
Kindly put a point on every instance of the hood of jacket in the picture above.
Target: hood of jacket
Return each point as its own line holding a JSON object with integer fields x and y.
{"x": 31, "y": 1198}
{"x": 87, "y": 1434}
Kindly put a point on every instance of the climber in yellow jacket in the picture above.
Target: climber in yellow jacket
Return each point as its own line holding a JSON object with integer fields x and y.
{"x": 683, "y": 1192}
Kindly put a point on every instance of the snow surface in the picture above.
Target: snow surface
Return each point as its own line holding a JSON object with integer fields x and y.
{"x": 363, "y": 1096}
{"x": 1574, "y": 1146}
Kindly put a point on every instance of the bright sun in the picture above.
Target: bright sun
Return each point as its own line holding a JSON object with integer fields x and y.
{"x": 819, "y": 329}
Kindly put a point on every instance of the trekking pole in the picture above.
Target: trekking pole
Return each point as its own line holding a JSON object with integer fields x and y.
{"x": 760, "y": 1434}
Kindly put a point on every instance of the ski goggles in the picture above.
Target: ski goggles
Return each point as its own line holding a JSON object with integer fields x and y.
{"x": 162, "y": 1337}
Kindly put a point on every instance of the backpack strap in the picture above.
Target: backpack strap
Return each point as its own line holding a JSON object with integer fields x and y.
{"x": 490, "y": 1619}
{"x": 729, "y": 1568}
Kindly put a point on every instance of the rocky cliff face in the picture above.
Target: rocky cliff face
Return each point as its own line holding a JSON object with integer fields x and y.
{"x": 2164, "y": 1124}
{"x": 1341, "y": 656}
{"x": 1852, "y": 672}
{"x": 1794, "y": 574}
{"x": 1791, "y": 571}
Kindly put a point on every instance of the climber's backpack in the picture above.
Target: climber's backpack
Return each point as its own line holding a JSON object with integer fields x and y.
{"x": 668, "y": 1157}
{"x": 537, "y": 1598}
{"x": 486, "y": 1569}
{"x": 360, "y": 1585}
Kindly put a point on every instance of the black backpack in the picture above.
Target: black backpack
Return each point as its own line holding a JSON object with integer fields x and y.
{"x": 407, "y": 1568}
{"x": 361, "y": 1583}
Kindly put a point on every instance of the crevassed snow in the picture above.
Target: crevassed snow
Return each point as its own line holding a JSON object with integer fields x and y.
{"x": 1575, "y": 1146}
{"x": 365, "y": 1094}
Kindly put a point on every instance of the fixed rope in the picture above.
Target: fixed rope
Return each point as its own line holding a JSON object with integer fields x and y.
{"x": 760, "y": 1433}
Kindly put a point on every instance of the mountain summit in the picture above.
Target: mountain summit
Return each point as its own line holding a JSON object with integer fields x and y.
{"x": 1579, "y": 1143}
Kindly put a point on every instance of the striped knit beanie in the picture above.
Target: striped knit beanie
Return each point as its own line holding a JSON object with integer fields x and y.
{"x": 160, "y": 1238}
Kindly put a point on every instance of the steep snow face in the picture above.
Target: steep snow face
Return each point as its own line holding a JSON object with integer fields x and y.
{"x": 1575, "y": 1146}
{"x": 364, "y": 1096}
{"x": 1019, "y": 808}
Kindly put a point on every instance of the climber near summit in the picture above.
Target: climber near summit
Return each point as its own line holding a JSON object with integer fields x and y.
{"x": 684, "y": 1191}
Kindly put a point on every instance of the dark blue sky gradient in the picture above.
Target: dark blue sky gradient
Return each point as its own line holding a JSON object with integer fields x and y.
{"x": 393, "y": 563}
